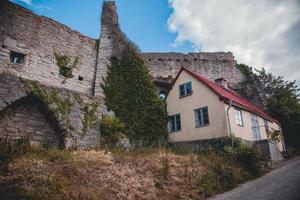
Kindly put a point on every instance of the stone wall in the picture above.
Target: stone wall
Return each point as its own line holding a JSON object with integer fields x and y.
{"x": 25, "y": 121}
{"x": 38, "y": 37}
{"x": 211, "y": 65}
{"x": 14, "y": 90}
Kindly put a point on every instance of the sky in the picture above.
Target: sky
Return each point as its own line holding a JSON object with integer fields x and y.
{"x": 260, "y": 33}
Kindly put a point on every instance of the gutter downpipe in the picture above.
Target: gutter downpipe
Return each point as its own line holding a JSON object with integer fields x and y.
{"x": 228, "y": 121}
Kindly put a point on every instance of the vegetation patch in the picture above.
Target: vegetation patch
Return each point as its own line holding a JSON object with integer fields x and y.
{"x": 65, "y": 68}
{"x": 112, "y": 130}
{"x": 58, "y": 105}
{"x": 89, "y": 111}
{"x": 144, "y": 173}
{"x": 245, "y": 69}
{"x": 131, "y": 94}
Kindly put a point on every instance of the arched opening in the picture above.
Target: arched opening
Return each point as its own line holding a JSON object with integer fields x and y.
{"x": 29, "y": 118}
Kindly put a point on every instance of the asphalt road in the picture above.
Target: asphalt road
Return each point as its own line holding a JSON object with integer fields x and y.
{"x": 280, "y": 184}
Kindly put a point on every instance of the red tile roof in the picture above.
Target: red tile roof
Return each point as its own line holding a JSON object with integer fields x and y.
{"x": 227, "y": 95}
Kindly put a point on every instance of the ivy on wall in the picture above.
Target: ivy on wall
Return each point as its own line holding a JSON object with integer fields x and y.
{"x": 62, "y": 107}
{"x": 89, "y": 111}
{"x": 65, "y": 68}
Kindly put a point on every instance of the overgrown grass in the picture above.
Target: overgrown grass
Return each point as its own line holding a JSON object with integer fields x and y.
{"x": 29, "y": 172}
{"x": 36, "y": 173}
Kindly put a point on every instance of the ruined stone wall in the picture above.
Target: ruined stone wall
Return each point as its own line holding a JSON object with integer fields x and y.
{"x": 38, "y": 37}
{"x": 211, "y": 65}
{"x": 13, "y": 89}
{"x": 28, "y": 123}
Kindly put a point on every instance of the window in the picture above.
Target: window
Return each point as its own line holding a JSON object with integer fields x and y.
{"x": 201, "y": 117}
{"x": 255, "y": 127}
{"x": 266, "y": 125}
{"x": 239, "y": 117}
{"x": 17, "y": 58}
{"x": 185, "y": 89}
{"x": 174, "y": 123}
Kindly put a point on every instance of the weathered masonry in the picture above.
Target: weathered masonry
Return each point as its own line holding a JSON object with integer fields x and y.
{"x": 50, "y": 76}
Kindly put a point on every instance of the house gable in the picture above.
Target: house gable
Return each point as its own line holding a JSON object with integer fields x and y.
{"x": 202, "y": 96}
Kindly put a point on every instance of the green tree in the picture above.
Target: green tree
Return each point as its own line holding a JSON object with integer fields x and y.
{"x": 283, "y": 104}
{"x": 131, "y": 94}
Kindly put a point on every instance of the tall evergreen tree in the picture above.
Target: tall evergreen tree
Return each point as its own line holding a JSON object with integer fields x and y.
{"x": 131, "y": 94}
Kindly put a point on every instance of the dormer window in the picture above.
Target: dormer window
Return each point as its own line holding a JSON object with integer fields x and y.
{"x": 185, "y": 89}
{"x": 17, "y": 58}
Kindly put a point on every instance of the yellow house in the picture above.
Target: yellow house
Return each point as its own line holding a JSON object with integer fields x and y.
{"x": 200, "y": 109}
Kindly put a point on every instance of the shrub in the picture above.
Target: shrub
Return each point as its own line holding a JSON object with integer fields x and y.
{"x": 111, "y": 131}
{"x": 248, "y": 157}
{"x": 220, "y": 174}
{"x": 245, "y": 69}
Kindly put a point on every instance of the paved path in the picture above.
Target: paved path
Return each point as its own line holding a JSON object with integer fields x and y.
{"x": 281, "y": 184}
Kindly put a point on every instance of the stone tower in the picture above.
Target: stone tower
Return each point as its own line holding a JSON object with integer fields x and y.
{"x": 111, "y": 43}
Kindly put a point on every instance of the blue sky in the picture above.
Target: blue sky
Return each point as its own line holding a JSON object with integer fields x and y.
{"x": 143, "y": 21}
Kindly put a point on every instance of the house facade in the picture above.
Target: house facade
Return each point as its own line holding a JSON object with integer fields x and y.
{"x": 200, "y": 110}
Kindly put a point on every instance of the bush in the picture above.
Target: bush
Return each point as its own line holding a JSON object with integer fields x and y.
{"x": 220, "y": 174}
{"x": 248, "y": 157}
{"x": 111, "y": 131}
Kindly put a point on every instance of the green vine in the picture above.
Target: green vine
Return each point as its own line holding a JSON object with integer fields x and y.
{"x": 61, "y": 107}
{"x": 89, "y": 114}
{"x": 65, "y": 69}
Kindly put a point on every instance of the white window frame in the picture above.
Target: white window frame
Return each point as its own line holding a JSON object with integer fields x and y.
{"x": 171, "y": 118}
{"x": 201, "y": 123}
{"x": 239, "y": 117}
{"x": 185, "y": 89}
{"x": 255, "y": 127}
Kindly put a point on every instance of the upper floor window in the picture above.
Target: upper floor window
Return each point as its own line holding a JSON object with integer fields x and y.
{"x": 201, "y": 117}
{"x": 255, "y": 127}
{"x": 17, "y": 58}
{"x": 266, "y": 125}
{"x": 239, "y": 117}
{"x": 185, "y": 89}
{"x": 174, "y": 123}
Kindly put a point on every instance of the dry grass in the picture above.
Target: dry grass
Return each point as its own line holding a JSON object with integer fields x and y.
{"x": 145, "y": 174}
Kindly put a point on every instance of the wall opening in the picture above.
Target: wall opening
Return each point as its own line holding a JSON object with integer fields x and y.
{"x": 29, "y": 119}
{"x": 17, "y": 58}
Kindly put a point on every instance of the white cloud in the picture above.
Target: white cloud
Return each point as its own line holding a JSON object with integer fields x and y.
{"x": 37, "y": 7}
{"x": 29, "y": 2}
{"x": 260, "y": 33}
